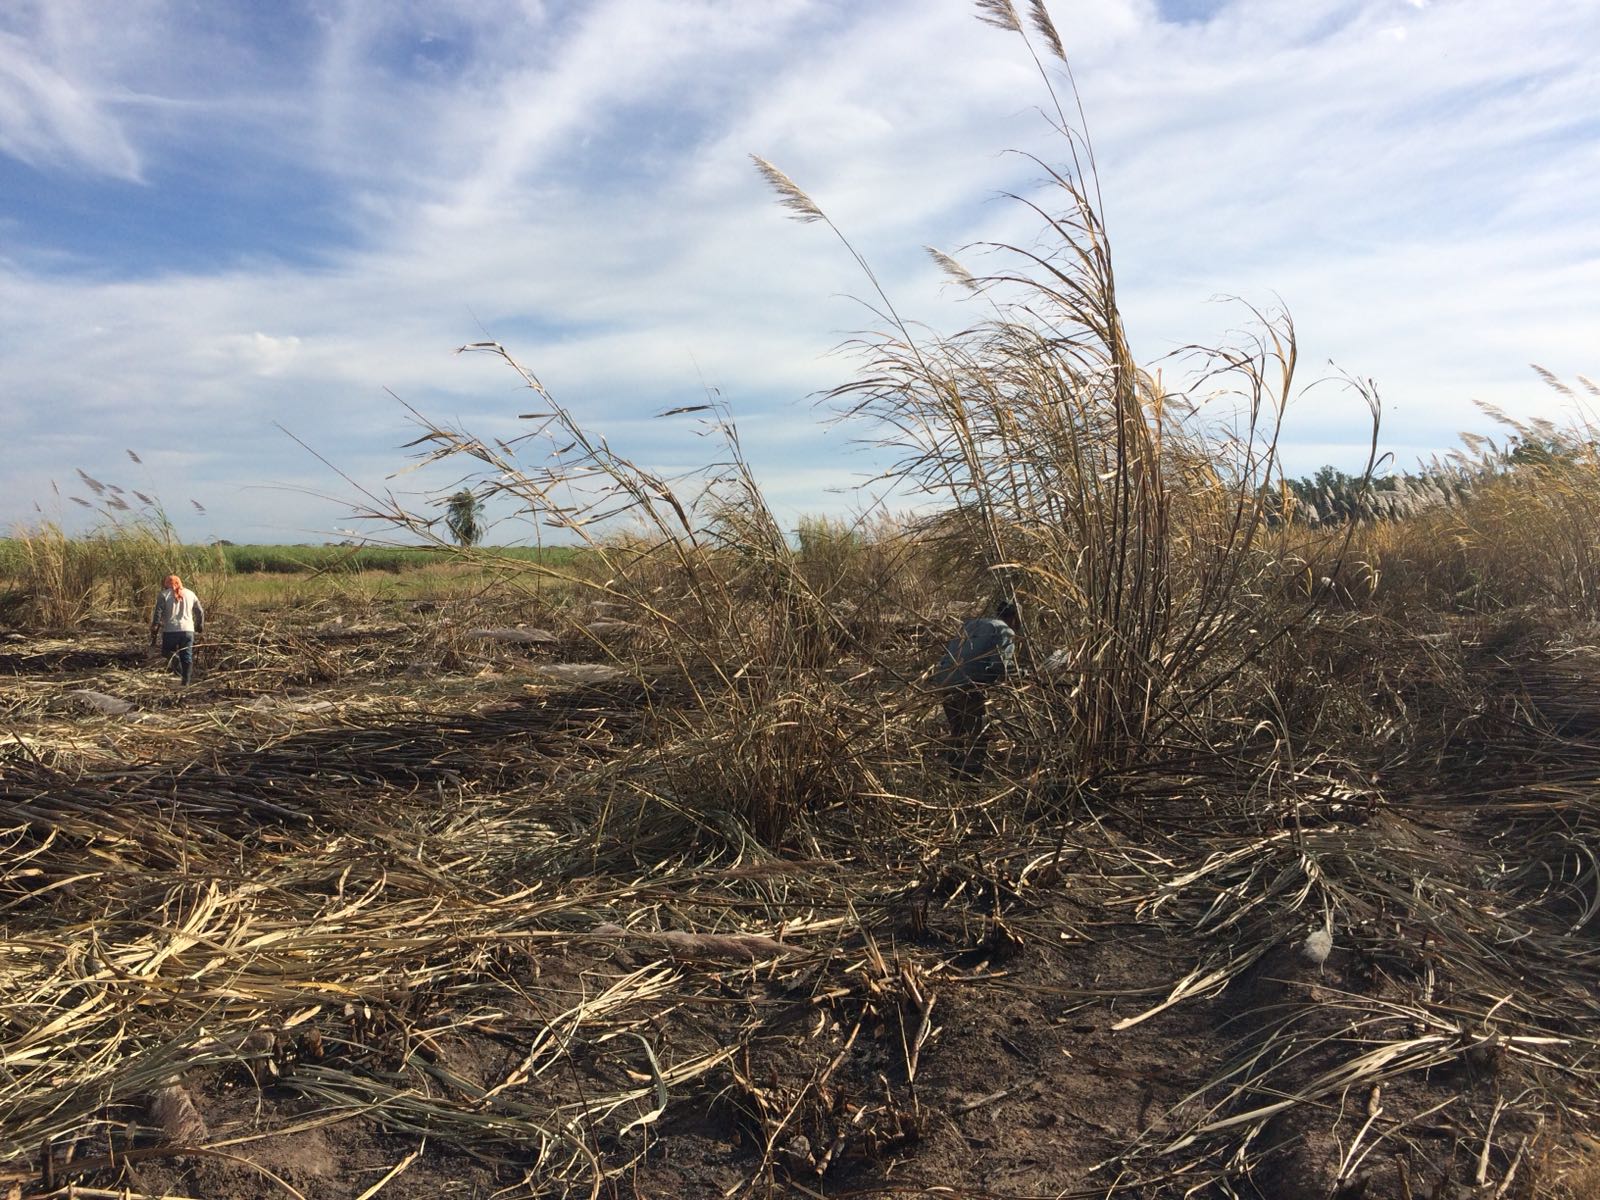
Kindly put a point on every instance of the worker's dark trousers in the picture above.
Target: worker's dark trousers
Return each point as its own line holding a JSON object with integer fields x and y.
{"x": 967, "y": 712}
{"x": 179, "y": 649}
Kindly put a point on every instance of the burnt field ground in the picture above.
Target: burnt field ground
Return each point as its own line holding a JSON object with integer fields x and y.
{"x": 638, "y": 868}
{"x": 381, "y": 907}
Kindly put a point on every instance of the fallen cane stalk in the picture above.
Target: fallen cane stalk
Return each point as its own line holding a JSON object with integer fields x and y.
{"x": 78, "y": 1191}
{"x": 962, "y": 1110}
{"x": 1374, "y": 1111}
{"x": 1482, "y": 1177}
{"x": 661, "y": 1090}
{"x": 394, "y": 1172}
{"x": 1511, "y": 1171}
{"x": 924, "y": 1032}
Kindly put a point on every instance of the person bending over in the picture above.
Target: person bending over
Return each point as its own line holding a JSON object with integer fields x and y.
{"x": 984, "y": 654}
{"x": 178, "y": 616}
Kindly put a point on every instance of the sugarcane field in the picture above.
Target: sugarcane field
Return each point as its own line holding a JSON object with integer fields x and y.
{"x": 1093, "y": 803}
{"x": 647, "y": 871}
{"x": 530, "y": 899}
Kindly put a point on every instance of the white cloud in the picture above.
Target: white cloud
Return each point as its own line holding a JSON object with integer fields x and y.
{"x": 48, "y": 119}
{"x": 580, "y": 186}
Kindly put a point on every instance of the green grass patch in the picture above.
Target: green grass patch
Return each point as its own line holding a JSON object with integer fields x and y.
{"x": 50, "y": 580}
{"x": 302, "y": 560}
{"x": 297, "y": 560}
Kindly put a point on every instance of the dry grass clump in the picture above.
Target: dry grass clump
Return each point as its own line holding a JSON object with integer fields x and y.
{"x": 61, "y": 580}
{"x": 1495, "y": 525}
{"x": 703, "y": 586}
{"x": 1569, "y": 1176}
{"x": 1131, "y": 525}
{"x": 760, "y": 756}
{"x": 361, "y": 918}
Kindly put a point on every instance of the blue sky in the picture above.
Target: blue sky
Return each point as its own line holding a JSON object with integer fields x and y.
{"x": 219, "y": 217}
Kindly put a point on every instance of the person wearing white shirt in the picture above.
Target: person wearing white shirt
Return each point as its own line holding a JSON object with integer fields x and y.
{"x": 178, "y": 616}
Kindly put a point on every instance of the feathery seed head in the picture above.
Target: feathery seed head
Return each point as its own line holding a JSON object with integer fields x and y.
{"x": 800, "y": 205}
{"x": 952, "y": 268}
{"x": 1000, "y": 14}
{"x": 1047, "y": 28}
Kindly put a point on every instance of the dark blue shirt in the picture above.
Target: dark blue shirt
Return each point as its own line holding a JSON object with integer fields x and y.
{"x": 986, "y": 652}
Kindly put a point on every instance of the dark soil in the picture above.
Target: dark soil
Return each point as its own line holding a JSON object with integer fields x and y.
{"x": 983, "y": 1061}
{"x": 54, "y": 662}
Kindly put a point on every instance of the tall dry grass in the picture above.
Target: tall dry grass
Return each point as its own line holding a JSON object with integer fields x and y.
{"x": 1131, "y": 526}
{"x": 695, "y": 581}
{"x": 60, "y": 580}
{"x": 1174, "y": 601}
{"x": 56, "y": 580}
{"x": 1129, "y": 523}
{"x": 1493, "y": 526}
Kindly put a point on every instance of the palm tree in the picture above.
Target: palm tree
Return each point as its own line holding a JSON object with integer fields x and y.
{"x": 463, "y": 516}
